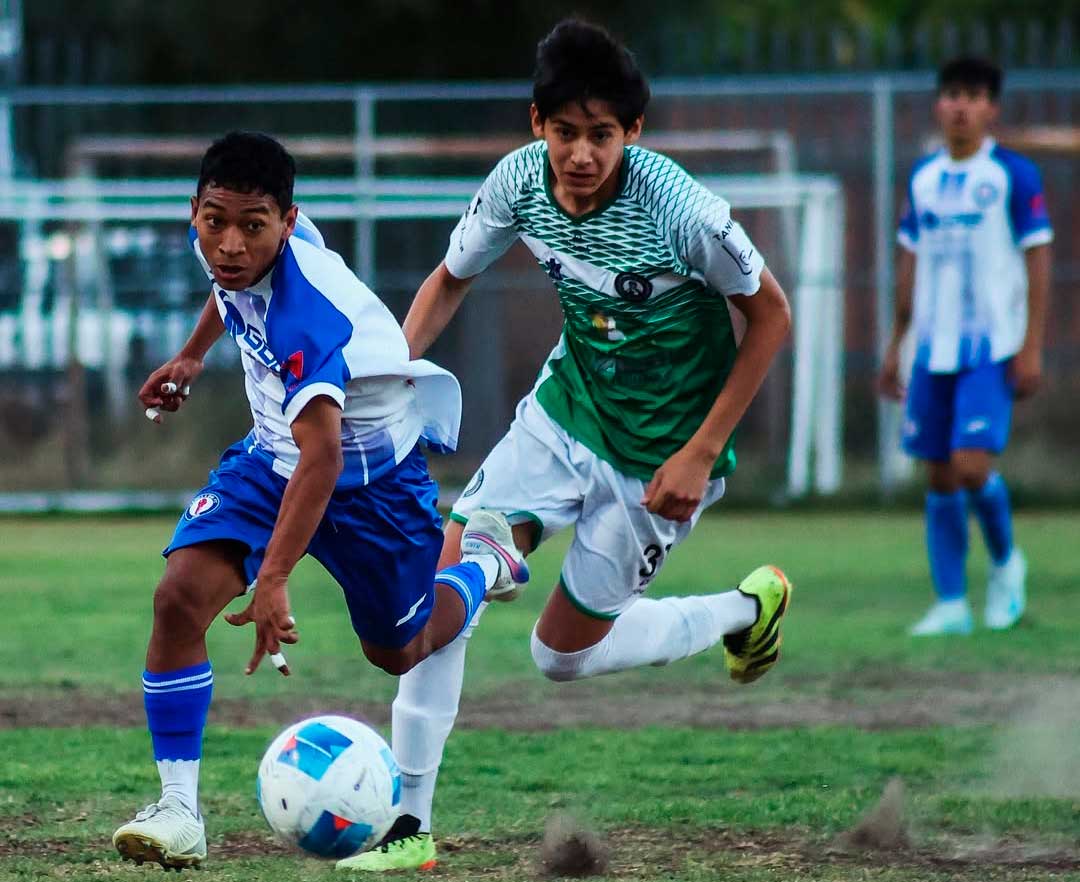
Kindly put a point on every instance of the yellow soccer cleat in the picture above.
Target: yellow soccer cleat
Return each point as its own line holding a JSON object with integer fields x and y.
{"x": 751, "y": 652}
{"x": 403, "y": 848}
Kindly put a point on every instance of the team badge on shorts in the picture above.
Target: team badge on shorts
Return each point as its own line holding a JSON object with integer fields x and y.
{"x": 202, "y": 504}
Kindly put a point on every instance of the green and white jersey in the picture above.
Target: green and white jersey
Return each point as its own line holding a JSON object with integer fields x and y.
{"x": 647, "y": 342}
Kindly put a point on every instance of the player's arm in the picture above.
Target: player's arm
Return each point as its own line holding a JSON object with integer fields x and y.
{"x": 889, "y": 382}
{"x": 435, "y": 304}
{"x": 317, "y": 433}
{"x": 1027, "y": 365}
{"x": 678, "y": 486}
{"x": 182, "y": 370}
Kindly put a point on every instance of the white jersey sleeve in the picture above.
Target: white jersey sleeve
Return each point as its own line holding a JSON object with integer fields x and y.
{"x": 700, "y": 231}
{"x": 486, "y": 229}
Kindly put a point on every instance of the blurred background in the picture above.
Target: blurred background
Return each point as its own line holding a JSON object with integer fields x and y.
{"x": 807, "y": 117}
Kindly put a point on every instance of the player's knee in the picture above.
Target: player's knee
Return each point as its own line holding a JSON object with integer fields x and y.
{"x": 970, "y": 474}
{"x": 558, "y": 666}
{"x": 395, "y": 662}
{"x": 178, "y": 610}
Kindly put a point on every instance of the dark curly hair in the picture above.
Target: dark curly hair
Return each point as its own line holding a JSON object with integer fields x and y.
{"x": 579, "y": 61}
{"x": 250, "y": 162}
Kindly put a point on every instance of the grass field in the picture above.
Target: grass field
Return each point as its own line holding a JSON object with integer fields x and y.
{"x": 685, "y": 775}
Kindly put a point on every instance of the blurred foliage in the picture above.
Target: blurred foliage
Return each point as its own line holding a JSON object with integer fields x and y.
{"x": 207, "y": 41}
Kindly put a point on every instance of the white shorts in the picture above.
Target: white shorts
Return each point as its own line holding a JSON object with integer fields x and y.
{"x": 537, "y": 473}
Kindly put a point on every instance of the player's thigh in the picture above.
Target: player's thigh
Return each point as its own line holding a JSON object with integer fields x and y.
{"x": 928, "y": 417}
{"x": 531, "y": 476}
{"x": 220, "y": 539}
{"x": 983, "y": 409}
{"x": 381, "y": 543}
{"x": 200, "y": 581}
{"x": 618, "y": 550}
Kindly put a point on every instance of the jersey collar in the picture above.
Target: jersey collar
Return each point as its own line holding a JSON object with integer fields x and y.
{"x": 987, "y": 145}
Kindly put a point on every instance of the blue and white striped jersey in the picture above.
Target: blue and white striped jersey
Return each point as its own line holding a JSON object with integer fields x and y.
{"x": 968, "y": 222}
{"x": 309, "y": 327}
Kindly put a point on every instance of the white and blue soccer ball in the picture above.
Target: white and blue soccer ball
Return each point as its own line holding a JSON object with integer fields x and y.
{"x": 330, "y": 785}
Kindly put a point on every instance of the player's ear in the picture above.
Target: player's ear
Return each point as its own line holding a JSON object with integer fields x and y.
{"x": 634, "y": 132}
{"x": 194, "y": 209}
{"x": 290, "y": 221}
{"x": 537, "y": 122}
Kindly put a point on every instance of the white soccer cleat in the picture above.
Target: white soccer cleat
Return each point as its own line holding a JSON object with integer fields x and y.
{"x": 944, "y": 617}
{"x": 164, "y": 832}
{"x": 489, "y": 533}
{"x": 1006, "y": 596}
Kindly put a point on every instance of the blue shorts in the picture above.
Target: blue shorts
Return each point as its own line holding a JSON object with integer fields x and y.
{"x": 969, "y": 410}
{"x": 381, "y": 542}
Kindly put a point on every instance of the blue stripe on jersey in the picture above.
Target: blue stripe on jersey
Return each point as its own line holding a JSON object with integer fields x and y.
{"x": 305, "y": 330}
{"x": 909, "y": 220}
{"x": 1027, "y": 205}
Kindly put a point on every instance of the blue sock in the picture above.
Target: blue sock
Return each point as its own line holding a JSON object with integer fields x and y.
{"x": 176, "y": 704}
{"x": 995, "y": 517}
{"x": 467, "y": 579}
{"x": 947, "y": 542}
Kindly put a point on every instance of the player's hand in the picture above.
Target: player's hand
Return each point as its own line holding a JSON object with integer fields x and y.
{"x": 169, "y": 386}
{"x": 889, "y": 383}
{"x": 1025, "y": 372}
{"x": 274, "y": 624}
{"x": 678, "y": 486}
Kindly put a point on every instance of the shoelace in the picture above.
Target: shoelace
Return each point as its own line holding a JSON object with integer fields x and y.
{"x": 148, "y": 812}
{"x": 399, "y": 843}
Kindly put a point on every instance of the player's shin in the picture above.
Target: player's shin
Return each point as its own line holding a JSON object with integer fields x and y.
{"x": 423, "y": 715}
{"x": 652, "y": 632}
{"x": 991, "y": 503}
{"x": 176, "y": 705}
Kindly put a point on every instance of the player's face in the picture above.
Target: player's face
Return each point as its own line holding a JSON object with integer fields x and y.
{"x": 965, "y": 113}
{"x": 585, "y": 148}
{"x": 240, "y": 234}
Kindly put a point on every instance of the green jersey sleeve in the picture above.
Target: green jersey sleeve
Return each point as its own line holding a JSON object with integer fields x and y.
{"x": 698, "y": 227}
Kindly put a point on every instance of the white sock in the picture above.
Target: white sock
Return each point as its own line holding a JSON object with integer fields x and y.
{"x": 423, "y": 715}
{"x": 488, "y": 563}
{"x": 180, "y": 778}
{"x": 652, "y": 632}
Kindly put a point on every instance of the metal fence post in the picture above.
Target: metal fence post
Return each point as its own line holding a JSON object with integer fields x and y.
{"x": 364, "y": 240}
{"x": 890, "y": 459}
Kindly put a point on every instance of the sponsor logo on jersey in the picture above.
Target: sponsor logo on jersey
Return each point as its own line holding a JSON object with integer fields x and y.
{"x": 474, "y": 484}
{"x": 977, "y": 425}
{"x": 248, "y": 336}
{"x": 741, "y": 256}
{"x": 929, "y": 220}
{"x": 202, "y": 504}
{"x": 632, "y": 287}
{"x": 986, "y": 194}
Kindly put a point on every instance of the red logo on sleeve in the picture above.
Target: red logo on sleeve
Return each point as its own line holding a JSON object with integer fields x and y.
{"x": 1038, "y": 205}
{"x": 292, "y": 371}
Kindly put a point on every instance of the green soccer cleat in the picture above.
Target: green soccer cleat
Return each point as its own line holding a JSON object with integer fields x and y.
{"x": 751, "y": 652}
{"x": 403, "y": 848}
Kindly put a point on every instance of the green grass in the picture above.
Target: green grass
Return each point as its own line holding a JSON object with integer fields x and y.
{"x": 76, "y": 596}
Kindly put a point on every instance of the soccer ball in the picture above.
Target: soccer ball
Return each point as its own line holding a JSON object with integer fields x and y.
{"x": 330, "y": 785}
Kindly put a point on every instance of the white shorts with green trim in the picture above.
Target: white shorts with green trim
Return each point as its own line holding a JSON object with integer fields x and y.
{"x": 538, "y": 473}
